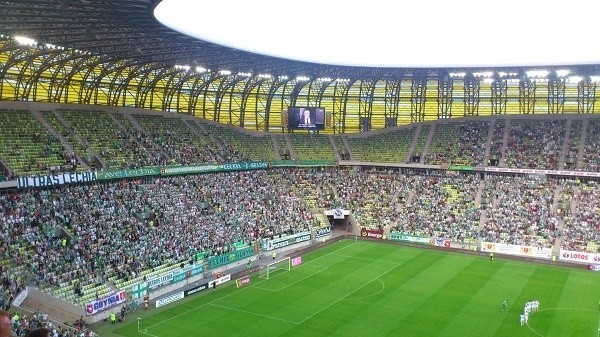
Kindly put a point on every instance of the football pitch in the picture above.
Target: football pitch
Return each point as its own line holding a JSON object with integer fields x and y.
{"x": 362, "y": 288}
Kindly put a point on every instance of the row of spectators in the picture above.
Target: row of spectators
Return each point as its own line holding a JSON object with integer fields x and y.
{"x": 87, "y": 234}
{"x": 529, "y": 143}
{"x": 582, "y": 216}
{"x": 145, "y": 149}
{"x": 534, "y": 144}
{"x": 121, "y": 228}
{"x": 521, "y": 211}
{"x": 23, "y": 324}
{"x": 441, "y": 206}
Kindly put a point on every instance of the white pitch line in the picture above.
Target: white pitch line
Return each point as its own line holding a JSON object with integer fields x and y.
{"x": 549, "y": 309}
{"x": 342, "y": 298}
{"x": 291, "y": 284}
{"x": 367, "y": 296}
{"x": 145, "y": 332}
{"x": 364, "y": 259}
{"x": 235, "y": 292}
{"x": 253, "y": 313}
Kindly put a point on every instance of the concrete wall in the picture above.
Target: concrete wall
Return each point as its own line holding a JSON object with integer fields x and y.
{"x": 58, "y": 309}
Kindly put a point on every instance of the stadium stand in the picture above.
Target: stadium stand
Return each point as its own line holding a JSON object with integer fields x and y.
{"x": 27, "y": 147}
{"x": 312, "y": 146}
{"x": 521, "y": 212}
{"x": 419, "y": 149}
{"x": 571, "y": 156}
{"x": 591, "y": 152}
{"x": 157, "y": 216}
{"x": 535, "y": 143}
{"x": 458, "y": 144}
{"x": 440, "y": 206}
{"x": 383, "y": 147}
{"x": 253, "y": 147}
{"x": 581, "y": 231}
{"x": 121, "y": 140}
{"x": 497, "y": 145}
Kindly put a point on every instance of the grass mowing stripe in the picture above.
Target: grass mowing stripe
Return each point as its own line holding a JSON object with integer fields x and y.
{"x": 337, "y": 282}
{"x": 348, "y": 318}
{"x": 361, "y": 293}
{"x": 450, "y": 297}
{"x": 545, "y": 284}
{"x": 568, "y": 320}
{"x": 482, "y": 315}
{"x": 195, "y": 303}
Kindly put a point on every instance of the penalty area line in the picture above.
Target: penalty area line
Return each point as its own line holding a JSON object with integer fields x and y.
{"x": 145, "y": 332}
{"x": 254, "y": 313}
{"x": 240, "y": 289}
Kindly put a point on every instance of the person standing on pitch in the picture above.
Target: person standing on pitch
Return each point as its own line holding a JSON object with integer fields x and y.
{"x": 146, "y": 301}
{"x": 522, "y": 320}
{"x": 505, "y": 305}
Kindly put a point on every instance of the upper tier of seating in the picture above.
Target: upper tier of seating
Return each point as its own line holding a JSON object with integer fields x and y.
{"x": 534, "y": 143}
{"x": 251, "y": 147}
{"x": 384, "y": 147}
{"x": 126, "y": 140}
{"x": 458, "y": 144}
{"x": 307, "y": 147}
{"x": 26, "y": 147}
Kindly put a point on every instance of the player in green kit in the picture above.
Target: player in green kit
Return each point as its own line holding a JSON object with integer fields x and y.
{"x": 505, "y": 305}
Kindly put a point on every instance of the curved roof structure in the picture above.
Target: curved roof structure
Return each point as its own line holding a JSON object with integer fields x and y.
{"x": 115, "y": 53}
{"x": 127, "y": 30}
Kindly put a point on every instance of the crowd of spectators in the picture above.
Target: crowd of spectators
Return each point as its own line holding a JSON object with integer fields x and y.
{"x": 142, "y": 149}
{"x": 535, "y": 144}
{"x": 370, "y": 195}
{"x": 521, "y": 211}
{"x": 88, "y": 234}
{"x": 581, "y": 230}
{"x": 461, "y": 144}
{"x": 591, "y": 152}
{"x": 24, "y": 323}
{"x": 440, "y": 206}
{"x": 108, "y": 231}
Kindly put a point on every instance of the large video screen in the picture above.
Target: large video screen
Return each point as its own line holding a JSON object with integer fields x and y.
{"x": 309, "y": 118}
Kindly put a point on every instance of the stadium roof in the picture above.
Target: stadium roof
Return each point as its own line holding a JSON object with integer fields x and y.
{"x": 127, "y": 30}
{"x": 394, "y": 34}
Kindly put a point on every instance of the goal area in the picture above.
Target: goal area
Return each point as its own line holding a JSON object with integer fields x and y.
{"x": 267, "y": 270}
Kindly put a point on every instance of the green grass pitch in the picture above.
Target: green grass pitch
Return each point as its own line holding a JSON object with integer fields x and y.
{"x": 368, "y": 289}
